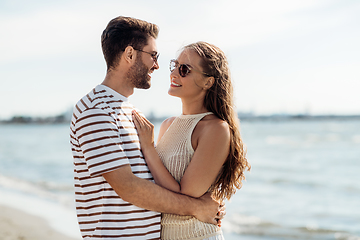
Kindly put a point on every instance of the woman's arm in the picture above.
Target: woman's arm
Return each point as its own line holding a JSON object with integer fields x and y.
{"x": 211, "y": 152}
{"x": 145, "y": 130}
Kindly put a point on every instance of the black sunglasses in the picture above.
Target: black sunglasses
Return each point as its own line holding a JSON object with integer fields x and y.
{"x": 154, "y": 55}
{"x": 184, "y": 69}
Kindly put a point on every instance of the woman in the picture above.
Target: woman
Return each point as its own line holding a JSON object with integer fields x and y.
{"x": 200, "y": 150}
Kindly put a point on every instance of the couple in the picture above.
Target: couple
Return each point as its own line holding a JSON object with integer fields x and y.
{"x": 199, "y": 159}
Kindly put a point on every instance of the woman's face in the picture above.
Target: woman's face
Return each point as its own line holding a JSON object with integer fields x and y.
{"x": 192, "y": 84}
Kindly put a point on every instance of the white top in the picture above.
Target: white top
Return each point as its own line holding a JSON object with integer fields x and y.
{"x": 175, "y": 151}
{"x": 103, "y": 138}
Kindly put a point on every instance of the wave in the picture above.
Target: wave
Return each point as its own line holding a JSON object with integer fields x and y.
{"x": 310, "y": 138}
{"x": 255, "y": 227}
{"x": 356, "y": 138}
{"x": 52, "y": 202}
{"x": 61, "y": 193}
{"x": 340, "y": 187}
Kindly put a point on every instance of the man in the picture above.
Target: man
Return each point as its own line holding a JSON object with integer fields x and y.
{"x": 116, "y": 197}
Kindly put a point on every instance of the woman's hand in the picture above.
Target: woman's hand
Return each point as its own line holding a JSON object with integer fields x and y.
{"x": 145, "y": 130}
{"x": 160, "y": 173}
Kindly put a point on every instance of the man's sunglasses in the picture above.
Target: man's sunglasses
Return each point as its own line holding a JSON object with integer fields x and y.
{"x": 184, "y": 69}
{"x": 154, "y": 55}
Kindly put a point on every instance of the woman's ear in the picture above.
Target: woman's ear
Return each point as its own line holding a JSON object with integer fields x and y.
{"x": 209, "y": 82}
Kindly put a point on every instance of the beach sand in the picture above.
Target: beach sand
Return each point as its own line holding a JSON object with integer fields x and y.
{"x": 18, "y": 225}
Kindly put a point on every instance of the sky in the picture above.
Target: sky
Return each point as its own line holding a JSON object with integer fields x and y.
{"x": 296, "y": 57}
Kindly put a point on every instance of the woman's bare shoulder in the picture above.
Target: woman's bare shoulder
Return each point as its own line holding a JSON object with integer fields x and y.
{"x": 213, "y": 123}
{"x": 214, "y": 126}
{"x": 211, "y": 127}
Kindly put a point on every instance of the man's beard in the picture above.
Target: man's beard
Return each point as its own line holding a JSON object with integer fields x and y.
{"x": 138, "y": 74}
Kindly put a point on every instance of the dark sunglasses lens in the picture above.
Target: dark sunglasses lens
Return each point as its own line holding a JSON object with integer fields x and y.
{"x": 184, "y": 70}
{"x": 156, "y": 56}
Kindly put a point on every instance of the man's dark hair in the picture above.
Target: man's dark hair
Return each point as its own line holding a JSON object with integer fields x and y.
{"x": 122, "y": 32}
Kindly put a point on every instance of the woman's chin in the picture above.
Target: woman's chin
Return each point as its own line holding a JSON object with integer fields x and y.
{"x": 171, "y": 93}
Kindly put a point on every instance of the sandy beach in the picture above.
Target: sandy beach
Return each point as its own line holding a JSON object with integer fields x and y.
{"x": 18, "y": 225}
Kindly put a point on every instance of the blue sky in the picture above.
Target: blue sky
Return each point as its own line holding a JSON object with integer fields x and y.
{"x": 299, "y": 56}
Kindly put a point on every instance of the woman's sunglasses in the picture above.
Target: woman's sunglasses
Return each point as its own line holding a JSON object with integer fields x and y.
{"x": 184, "y": 69}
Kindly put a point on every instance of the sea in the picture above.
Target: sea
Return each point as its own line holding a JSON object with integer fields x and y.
{"x": 304, "y": 181}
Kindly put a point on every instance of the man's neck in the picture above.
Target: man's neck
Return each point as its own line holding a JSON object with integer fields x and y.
{"x": 119, "y": 83}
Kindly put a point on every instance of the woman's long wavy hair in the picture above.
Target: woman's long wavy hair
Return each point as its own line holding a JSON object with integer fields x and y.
{"x": 219, "y": 100}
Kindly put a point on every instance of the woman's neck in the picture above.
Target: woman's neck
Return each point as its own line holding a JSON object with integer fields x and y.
{"x": 193, "y": 107}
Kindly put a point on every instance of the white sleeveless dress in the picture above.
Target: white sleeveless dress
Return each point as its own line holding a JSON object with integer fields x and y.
{"x": 175, "y": 151}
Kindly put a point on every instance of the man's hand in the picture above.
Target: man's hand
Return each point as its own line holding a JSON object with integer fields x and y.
{"x": 211, "y": 211}
{"x": 221, "y": 214}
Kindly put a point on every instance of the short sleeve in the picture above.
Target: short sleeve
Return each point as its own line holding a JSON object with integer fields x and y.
{"x": 100, "y": 142}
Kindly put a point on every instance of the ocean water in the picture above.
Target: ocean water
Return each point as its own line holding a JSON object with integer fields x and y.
{"x": 304, "y": 182}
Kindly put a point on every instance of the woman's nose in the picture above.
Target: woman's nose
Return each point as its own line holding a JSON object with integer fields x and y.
{"x": 173, "y": 74}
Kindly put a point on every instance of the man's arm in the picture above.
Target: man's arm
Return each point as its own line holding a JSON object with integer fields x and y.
{"x": 147, "y": 195}
{"x": 97, "y": 134}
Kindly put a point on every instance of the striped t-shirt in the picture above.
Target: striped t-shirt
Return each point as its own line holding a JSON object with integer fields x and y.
{"x": 103, "y": 138}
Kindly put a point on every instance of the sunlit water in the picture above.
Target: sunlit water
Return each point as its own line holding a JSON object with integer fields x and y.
{"x": 304, "y": 182}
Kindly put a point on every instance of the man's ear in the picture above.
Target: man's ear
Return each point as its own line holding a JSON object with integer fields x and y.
{"x": 129, "y": 54}
{"x": 209, "y": 82}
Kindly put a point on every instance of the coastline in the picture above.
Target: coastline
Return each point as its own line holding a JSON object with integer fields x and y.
{"x": 16, "y": 224}
{"x": 26, "y": 216}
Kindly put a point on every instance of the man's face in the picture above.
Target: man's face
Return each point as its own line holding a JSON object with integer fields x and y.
{"x": 140, "y": 72}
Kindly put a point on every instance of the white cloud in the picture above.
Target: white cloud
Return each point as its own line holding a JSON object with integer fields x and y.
{"x": 266, "y": 42}
{"x": 76, "y": 27}
{"x": 45, "y": 33}
{"x": 239, "y": 23}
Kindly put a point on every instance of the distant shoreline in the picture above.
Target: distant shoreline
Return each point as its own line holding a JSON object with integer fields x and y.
{"x": 64, "y": 119}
